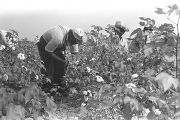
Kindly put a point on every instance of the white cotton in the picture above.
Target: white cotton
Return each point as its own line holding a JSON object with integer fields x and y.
{"x": 157, "y": 112}
{"x": 130, "y": 85}
{"x": 37, "y": 77}
{"x": 134, "y": 76}
{"x": 85, "y": 92}
{"x": 88, "y": 69}
{"x": 76, "y": 62}
{"x": 92, "y": 59}
{"x": 129, "y": 59}
{"x": 88, "y": 91}
{"x": 2, "y": 47}
{"x": 21, "y": 56}
{"x": 13, "y": 48}
{"x": 5, "y": 77}
{"x": 83, "y": 104}
{"x": 99, "y": 78}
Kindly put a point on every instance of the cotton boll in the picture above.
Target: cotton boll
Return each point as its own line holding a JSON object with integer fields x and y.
{"x": 92, "y": 59}
{"x": 21, "y": 56}
{"x": 157, "y": 112}
{"x": 130, "y": 85}
{"x": 88, "y": 91}
{"x": 85, "y": 92}
{"x": 129, "y": 59}
{"x": 134, "y": 76}
{"x": 2, "y": 47}
{"x": 99, "y": 78}
{"x": 88, "y": 69}
{"x": 13, "y": 48}
{"x": 5, "y": 77}
{"x": 83, "y": 104}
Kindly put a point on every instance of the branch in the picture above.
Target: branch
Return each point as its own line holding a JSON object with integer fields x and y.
{"x": 171, "y": 20}
{"x": 178, "y": 19}
{"x": 177, "y": 45}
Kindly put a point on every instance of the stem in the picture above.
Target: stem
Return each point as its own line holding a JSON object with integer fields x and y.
{"x": 177, "y": 45}
{"x": 171, "y": 21}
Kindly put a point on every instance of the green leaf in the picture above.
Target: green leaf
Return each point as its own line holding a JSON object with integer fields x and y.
{"x": 106, "y": 104}
{"x": 147, "y": 50}
{"x": 149, "y": 72}
{"x": 167, "y": 81}
{"x": 15, "y": 112}
{"x": 139, "y": 90}
{"x": 177, "y": 12}
{"x": 151, "y": 116}
{"x": 28, "y": 96}
{"x": 159, "y": 11}
{"x": 172, "y": 9}
{"x": 135, "y": 104}
{"x": 172, "y": 99}
{"x": 127, "y": 99}
{"x": 153, "y": 99}
{"x": 170, "y": 58}
{"x": 177, "y": 114}
{"x": 135, "y": 31}
{"x": 118, "y": 100}
{"x": 51, "y": 106}
{"x": 142, "y": 23}
{"x": 168, "y": 28}
{"x": 119, "y": 89}
{"x": 83, "y": 112}
{"x": 144, "y": 19}
{"x": 177, "y": 103}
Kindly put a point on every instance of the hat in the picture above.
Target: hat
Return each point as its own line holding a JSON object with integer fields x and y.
{"x": 78, "y": 33}
{"x": 120, "y": 24}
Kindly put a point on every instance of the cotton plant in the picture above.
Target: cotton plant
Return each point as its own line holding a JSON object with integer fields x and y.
{"x": 85, "y": 92}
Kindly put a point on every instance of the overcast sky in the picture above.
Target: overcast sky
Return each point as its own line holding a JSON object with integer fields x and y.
{"x": 33, "y": 17}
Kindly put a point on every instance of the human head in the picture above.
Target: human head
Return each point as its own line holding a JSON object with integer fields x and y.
{"x": 76, "y": 37}
{"x": 78, "y": 33}
{"x": 120, "y": 28}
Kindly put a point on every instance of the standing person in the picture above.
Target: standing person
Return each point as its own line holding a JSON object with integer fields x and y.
{"x": 52, "y": 46}
{"x": 120, "y": 29}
